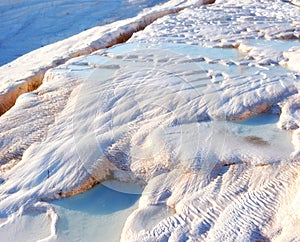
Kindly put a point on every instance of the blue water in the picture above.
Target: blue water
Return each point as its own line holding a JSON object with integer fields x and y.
{"x": 98, "y": 214}
{"x": 26, "y": 25}
{"x": 98, "y": 200}
{"x": 264, "y": 127}
{"x": 259, "y": 119}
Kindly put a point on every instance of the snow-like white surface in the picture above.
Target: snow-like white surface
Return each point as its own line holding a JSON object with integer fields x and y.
{"x": 235, "y": 24}
{"x": 26, "y": 73}
{"x": 235, "y": 203}
{"x": 28, "y": 25}
{"x": 293, "y": 58}
{"x": 37, "y": 226}
{"x": 232, "y": 202}
{"x": 180, "y": 119}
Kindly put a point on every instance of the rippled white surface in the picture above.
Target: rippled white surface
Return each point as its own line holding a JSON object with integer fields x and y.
{"x": 204, "y": 123}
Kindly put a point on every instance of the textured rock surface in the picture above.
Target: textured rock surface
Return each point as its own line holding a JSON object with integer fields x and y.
{"x": 170, "y": 112}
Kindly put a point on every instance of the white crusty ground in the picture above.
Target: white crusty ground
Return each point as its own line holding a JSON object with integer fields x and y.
{"x": 28, "y": 25}
{"x": 26, "y": 73}
{"x": 155, "y": 114}
{"x": 238, "y": 202}
{"x": 236, "y": 24}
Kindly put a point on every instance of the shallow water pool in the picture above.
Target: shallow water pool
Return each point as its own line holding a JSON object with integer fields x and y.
{"x": 95, "y": 215}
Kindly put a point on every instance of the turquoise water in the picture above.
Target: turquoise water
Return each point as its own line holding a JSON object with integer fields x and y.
{"x": 261, "y": 131}
{"x": 98, "y": 214}
{"x": 280, "y": 45}
{"x": 95, "y": 215}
